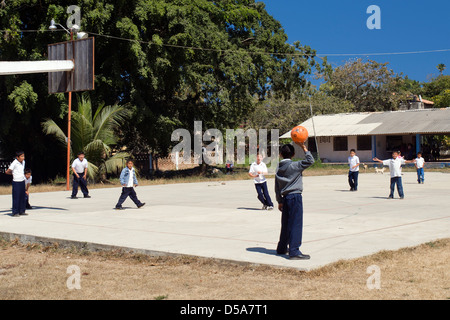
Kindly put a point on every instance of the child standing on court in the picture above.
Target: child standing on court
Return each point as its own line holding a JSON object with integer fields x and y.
{"x": 28, "y": 179}
{"x": 17, "y": 170}
{"x": 353, "y": 162}
{"x": 257, "y": 171}
{"x": 128, "y": 181}
{"x": 79, "y": 168}
{"x": 395, "y": 167}
{"x": 288, "y": 190}
{"x": 419, "y": 162}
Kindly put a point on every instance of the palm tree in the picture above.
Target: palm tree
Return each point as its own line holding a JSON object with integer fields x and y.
{"x": 94, "y": 135}
{"x": 441, "y": 67}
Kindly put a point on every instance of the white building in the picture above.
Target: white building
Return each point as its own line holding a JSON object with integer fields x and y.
{"x": 374, "y": 134}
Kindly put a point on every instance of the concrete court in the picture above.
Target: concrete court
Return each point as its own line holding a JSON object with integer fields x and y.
{"x": 224, "y": 220}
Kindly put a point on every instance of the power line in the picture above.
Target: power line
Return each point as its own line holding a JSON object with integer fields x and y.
{"x": 246, "y": 51}
{"x": 276, "y": 53}
{"x": 386, "y": 53}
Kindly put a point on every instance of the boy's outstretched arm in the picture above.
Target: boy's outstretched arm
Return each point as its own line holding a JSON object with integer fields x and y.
{"x": 309, "y": 159}
{"x": 377, "y": 160}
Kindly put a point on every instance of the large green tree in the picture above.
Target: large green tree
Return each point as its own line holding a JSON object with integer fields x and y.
{"x": 284, "y": 114}
{"x": 173, "y": 61}
{"x": 436, "y": 86}
{"x": 368, "y": 85}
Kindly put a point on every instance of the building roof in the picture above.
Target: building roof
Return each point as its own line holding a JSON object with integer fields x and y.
{"x": 424, "y": 121}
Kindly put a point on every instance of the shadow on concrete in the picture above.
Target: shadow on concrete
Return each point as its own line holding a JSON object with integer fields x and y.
{"x": 8, "y": 212}
{"x": 255, "y": 209}
{"x": 271, "y": 252}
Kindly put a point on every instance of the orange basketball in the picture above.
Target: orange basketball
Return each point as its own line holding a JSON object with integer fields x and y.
{"x": 299, "y": 134}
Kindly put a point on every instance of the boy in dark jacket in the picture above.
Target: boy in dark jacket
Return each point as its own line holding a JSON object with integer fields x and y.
{"x": 288, "y": 190}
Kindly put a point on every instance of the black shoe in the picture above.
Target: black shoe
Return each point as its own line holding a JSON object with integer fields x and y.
{"x": 15, "y": 215}
{"x": 23, "y": 214}
{"x": 73, "y": 197}
{"x": 119, "y": 208}
{"x": 301, "y": 256}
{"x": 141, "y": 205}
{"x": 87, "y": 196}
{"x": 390, "y": 197}
{"x": 28, "y": 207}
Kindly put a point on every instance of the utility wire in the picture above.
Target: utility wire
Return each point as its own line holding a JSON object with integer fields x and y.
{"x": 249, "y": 52}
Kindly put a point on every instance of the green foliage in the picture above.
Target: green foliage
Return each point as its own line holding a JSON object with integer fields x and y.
{"x": 161, "y": 73}
{"x": 367, "y": 85}
{"x": 95, "y": 135}
{"x": 23, "y": 97}
{"x": 284, "y": 114}
{"x": 436, "y": 86}
{"x": 441, "y": 67}
{"x": 442, "y": 100}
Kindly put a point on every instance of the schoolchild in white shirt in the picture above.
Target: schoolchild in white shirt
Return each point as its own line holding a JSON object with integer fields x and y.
{"x": 17, "y": 170}
{"x": 353, "y": 162}
{"x": 28, "y": 180}
{"x": 79, "y": 168}
{"x": 419, "y": 162}
{"x": 257, "y": 171}
{"x": 395, "y": 167}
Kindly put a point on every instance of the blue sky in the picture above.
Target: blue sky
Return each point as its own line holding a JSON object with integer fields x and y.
{"x": 339, "y": 27}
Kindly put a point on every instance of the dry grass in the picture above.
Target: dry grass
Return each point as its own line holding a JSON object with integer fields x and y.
{"x": 36, "y": 272}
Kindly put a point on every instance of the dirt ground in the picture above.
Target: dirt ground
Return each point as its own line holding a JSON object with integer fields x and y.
{"x": 35, "y": 272}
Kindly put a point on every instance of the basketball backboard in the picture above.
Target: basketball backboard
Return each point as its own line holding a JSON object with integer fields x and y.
{"x": 81, "y": 52}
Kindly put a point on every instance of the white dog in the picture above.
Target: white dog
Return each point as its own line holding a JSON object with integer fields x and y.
{"x": 377, "y": 170}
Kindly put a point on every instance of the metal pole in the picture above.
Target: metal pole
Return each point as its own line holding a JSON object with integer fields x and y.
{"x": 69, "y": 123}
{"x": 314, "y": 128}
{"x": 68, "y": 140}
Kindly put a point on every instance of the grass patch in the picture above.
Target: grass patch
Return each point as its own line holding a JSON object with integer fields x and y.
{"x": 34, "y": 271}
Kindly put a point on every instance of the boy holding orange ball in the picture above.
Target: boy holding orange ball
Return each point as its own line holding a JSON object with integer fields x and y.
{"x": 288, "y": 190}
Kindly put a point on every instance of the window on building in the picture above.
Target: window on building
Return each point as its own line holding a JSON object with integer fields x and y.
{"x": 393, "y": 143}
{"x": 312, "y": 144}
{"x": 340, "y": 144}
{"x": 364, "y": 142}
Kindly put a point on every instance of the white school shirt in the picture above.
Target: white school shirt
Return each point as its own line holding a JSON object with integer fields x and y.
{"x": 28, "y": 181}
{"x": 254, "y": 168}
{"x": 353, "y": 161}
{"x": 79, "y": 166}
{"x": 18, "y": 170}
{"x": 395, "y": 166}
{"x": 130, "y": 179}
{"x": 420, "y": 162}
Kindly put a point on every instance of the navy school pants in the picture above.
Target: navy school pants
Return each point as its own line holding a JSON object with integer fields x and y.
{"x": 128, "y": 192}
{"x": 291, "y": 225}
{"x": 18, "y": 197}
{"x": 263, "y": 194}
{"x": 81, "y": 181}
